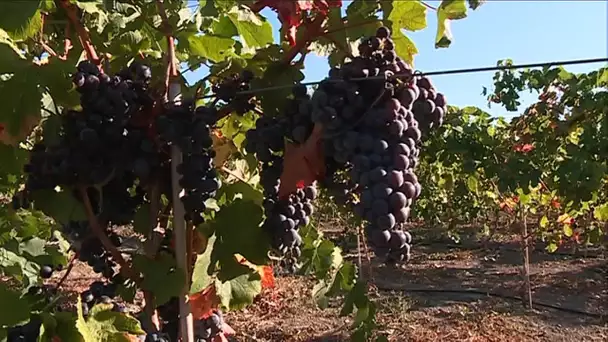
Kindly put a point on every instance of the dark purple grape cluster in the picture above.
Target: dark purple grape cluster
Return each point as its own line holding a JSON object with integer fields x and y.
{"x": 100, "y": 292}
{"x": 154, "y": 337}
{"x": 228, "y": 88}
{"x": 189, "y": 129}
{"x": 90, "y": 249}
{"x": 205, "y": 330}
{"x": 373, "y": 136}
{"x": 97, "y": 143}
{"x": 284, "y": 216}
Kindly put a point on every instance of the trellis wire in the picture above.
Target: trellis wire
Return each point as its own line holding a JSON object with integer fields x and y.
{"x": 432, "y": 73}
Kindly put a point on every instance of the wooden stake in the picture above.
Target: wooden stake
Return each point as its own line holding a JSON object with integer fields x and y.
{"x": 179, "y": 230}
{"x": 526, "y": 256}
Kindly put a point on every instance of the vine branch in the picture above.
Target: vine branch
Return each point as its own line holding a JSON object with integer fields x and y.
{"x": 167, "y": 30}
{"x": 68, "y": 270}
{"x": 428, "y": 6}
{"x": 99, "y": 232}
{"x": 83, "y": 35}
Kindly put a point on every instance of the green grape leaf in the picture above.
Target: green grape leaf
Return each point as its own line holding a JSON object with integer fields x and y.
{"x": 161, "y": 276}
{"x": 99, "y": 17}
{"x": 141, "y": 221}
{"x": 213, "y": 48}
{"x": 34, "y": 247}
{"x": 254, "y": 31}
{"x": 319, "y": 294}
{"x": 21, "y": 19}
{"x": 200, "y": 275}
{"x": 11, "y": 58}
{"x": 240, "y": 291}
{"x": 11, "y": 169}
{"x": 356, "y": 297}
{"x": 61, "y": 206}
{"x": 600, "y": 213}
{"x": 409, "y": 15}
{"x": 448, "y": 10}
{"x": 18, "y": 267}
{"x": 240, "y": 190}
{"x": 321, "y": 257}
{"x": 238, "y": 231}
{"x": 473, "y": 184}
{"x": 105, "y": 325}
{"x": 224, "y": 27}
{"x": 66, "y": 328}
{"x": 19, "y": 308}
{"x": 20, "y": 96}
{"x": 345, "y": 278}
{"x": 404, "y": 47}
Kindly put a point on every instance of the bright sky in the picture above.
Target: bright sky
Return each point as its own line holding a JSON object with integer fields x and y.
{"x": 524, "y": 31}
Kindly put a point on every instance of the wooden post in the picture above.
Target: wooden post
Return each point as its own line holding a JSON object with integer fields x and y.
{"x": 179, "y": 230}
{"x": 527, "y": 297}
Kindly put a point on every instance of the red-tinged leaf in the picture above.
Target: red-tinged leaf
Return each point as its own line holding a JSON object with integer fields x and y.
{"x": 555, "y": 203}
{"x": 523, "y": 148}
{"x": 304, "y": 163}
{"x": 268, "y": 280}
{"x": 203, "y": 303}
{"x": 290, "y": 12}
{"x": 265, "y": 271}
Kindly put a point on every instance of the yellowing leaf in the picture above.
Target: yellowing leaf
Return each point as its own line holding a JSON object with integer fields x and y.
{"x": 223, "y": 148}
{"x": 544, "y": 221}
{"x": 409, "y": 15}
{"x": 404, "y": 47}
{"x": 448, "y": 10}
{"x": 601, "y": 213}
{"x": 265, "y": 271}
{"x": 568, "y": 230}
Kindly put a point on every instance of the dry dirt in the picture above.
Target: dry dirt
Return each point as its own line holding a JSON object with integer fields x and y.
{"x": 423, "y": 300}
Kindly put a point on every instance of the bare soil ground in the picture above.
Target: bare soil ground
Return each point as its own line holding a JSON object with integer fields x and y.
{"x": 426, "y": 300}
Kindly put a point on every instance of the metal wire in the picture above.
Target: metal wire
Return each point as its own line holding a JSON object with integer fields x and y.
{"x": 432, "y": 73}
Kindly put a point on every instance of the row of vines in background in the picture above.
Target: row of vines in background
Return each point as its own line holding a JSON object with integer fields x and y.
{"x": 548, "y": 164}
{"x": 65, "y": 63}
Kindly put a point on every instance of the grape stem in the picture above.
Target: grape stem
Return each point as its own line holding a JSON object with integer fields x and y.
{"x": 167, "y": 30}
{"x": 233, "y": 174}
{"x": 83, "y": 35}
{"x": 44, "y": 45}
{"x": 68, "y": 270}
{"x": 428, "y": 6}
{"x": 99, "y": 232}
